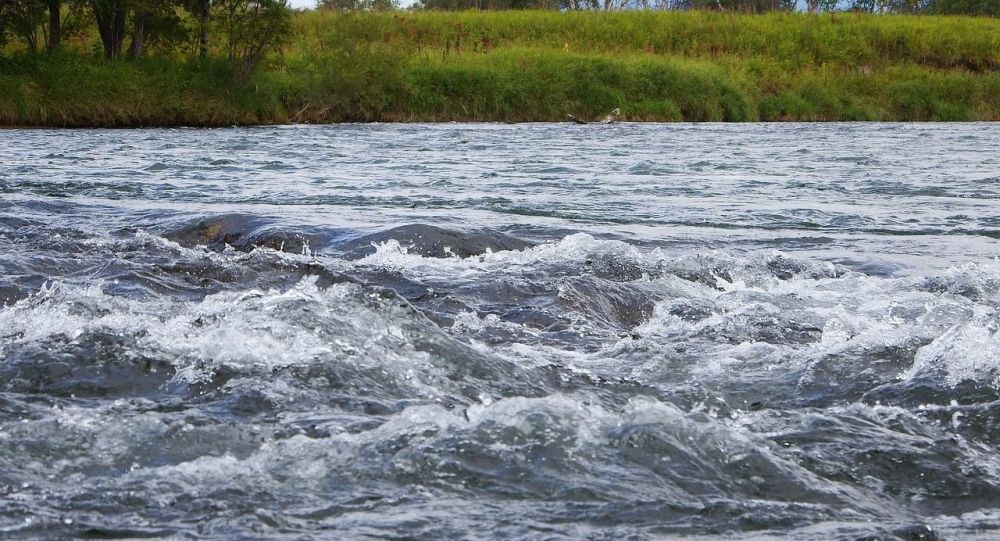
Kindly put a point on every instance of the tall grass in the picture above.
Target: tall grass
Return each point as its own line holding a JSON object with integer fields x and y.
{"x": 793, "y": 38}
{"x": 522, "y": 66}
{"x": 68, "y": 90}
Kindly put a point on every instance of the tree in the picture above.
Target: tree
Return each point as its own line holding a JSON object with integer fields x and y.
{"x": 55, "y": 24}
{"x": 252, "y": 27}
{"x": 965, "y": 7}
{"x": 814, "y": 6}
{"x": 154, "y": 21}
{"x": 202, "y": 11}
{"x": 23, "y": 18}
{"x": 27, "y": 20}
{"x": 140, "y": 14}
{"x": 4, "y": 25}
{"x": 508, "y": 4}
{"x": 358, "y": 5}
{"x": 110, "y": 17}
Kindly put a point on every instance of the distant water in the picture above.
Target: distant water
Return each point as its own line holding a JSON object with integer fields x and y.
{"x": 501, "y": 331}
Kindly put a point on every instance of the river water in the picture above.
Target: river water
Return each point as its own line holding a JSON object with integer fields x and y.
{"x": 462, "y": 331}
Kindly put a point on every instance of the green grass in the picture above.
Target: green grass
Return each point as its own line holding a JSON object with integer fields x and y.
{"x": 527, "y": 66}
{"x": 78, "y": 91}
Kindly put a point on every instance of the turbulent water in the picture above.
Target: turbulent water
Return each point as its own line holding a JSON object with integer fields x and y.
{"x": 501, "y": 331}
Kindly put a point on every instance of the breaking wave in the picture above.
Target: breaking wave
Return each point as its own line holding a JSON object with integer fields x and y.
{"x": 221, "y": 366}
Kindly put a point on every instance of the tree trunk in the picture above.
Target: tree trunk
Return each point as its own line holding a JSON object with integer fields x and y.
{"x": 203, "y": 13}
{"x": 110, "y": 15}
{"x": 23, "y": 20}
{"x": 55, "y": 25}
{"x": 138, "y": 44}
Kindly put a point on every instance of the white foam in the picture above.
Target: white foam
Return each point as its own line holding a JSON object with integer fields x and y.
{"x": 248, "y": 330}
{"x": 966, "y": 351}
{"x": 574, "y": 249}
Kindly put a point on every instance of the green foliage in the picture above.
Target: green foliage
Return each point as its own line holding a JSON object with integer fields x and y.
{"x": 743, "y": 6}
{"x": 5, "y": 27}
{"x": 23, "y": 19}
{"x": 516, "y": 66}
{"x": 540, "y": 66}
{"x": 71, "y": 91}
{"x": 454, "y": 5}
{"x": 358, "y": 5}
{"x": 524, "y": 85}
{"x": 965, "y": 7}
{"x": 796, "y": 39}
{"x": 158, "y": 25}
{"x": 252, "y": 27}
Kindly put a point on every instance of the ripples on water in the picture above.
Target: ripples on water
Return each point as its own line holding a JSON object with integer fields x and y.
{"x": 477, "y": 331}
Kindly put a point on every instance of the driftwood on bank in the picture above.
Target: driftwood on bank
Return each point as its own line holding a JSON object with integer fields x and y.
{"x": 611, "y": 118}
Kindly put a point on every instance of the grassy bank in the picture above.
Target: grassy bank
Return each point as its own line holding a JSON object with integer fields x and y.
{"x": 524, "y": 66}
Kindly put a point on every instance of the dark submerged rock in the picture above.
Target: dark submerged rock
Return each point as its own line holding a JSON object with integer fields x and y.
{"x": 244, "y": 233}
{"x": 432, "y": 241}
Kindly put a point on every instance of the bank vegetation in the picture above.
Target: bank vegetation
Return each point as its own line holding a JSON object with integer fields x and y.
{"x": 219, "y": 68}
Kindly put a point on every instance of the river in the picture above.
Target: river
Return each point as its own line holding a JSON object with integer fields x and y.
{"x": 539, "y": 331}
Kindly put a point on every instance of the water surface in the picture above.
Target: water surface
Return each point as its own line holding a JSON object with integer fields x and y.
{"x": 522, "y": 331}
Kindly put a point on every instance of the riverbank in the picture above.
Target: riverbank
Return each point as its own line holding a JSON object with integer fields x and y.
{"x": 541, "y": 66}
